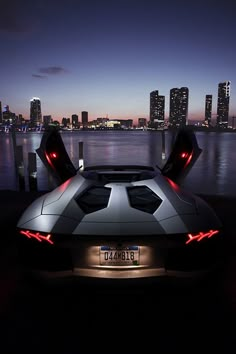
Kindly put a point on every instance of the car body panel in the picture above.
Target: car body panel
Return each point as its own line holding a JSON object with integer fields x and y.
{"x": 100, "y": 214}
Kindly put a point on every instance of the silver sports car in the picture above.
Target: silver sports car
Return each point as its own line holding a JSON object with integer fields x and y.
{"x": 119, "y": 221}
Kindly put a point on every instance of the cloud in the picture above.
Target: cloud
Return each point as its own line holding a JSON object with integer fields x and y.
{"x": 39, "y": 76}
{"x": 52, "y": 70}
{"x": 49, "y": 70}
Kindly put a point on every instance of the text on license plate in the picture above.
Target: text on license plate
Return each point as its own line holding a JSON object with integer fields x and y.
{"x": 116, "y": 256}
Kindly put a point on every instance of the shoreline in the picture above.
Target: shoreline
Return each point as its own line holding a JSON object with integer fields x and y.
{"x": 171, "y": 130}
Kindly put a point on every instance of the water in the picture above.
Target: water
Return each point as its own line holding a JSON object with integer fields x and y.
{"x": 213, "y": 173}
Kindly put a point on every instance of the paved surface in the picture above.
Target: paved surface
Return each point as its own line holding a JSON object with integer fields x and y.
{"x": 114, "y": 318}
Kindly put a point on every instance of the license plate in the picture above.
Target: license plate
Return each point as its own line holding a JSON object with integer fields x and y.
{"x": 119, "y": 256}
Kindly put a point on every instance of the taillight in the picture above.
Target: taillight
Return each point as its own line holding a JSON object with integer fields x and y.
{"x": 200, "y": 236}
{"x": 37, "y": 235}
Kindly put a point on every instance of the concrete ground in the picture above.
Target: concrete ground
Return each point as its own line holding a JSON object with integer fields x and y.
{"x": 120, "y": 318}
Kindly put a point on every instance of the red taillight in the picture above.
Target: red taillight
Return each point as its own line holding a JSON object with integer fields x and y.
{"x": 201, "y": 235}
{"x": 37, "y": 235}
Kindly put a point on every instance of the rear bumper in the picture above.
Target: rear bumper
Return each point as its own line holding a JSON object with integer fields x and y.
{"x": 159, "y": 259}
{"x": 50, "y": 262}
{"x": 160, "y": 273}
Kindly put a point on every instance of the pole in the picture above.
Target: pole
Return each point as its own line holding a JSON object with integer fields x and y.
{"x": 163, "y": 152}
{"x": 20, "y": 167}
{"x": 32, "y": 171}
{"x": 81, "y": 155}
{"x": 13, "y": 136}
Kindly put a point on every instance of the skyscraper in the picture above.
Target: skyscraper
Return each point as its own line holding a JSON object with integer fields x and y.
{"x": 157, "y": 110}
{"x": 208, "y": 109}
{"x": 84, "y": 118}
{"x": 35, "y": 111}
{"x": 8, "y": 117}
{"x": 178, "y": 107}
{"x": 47, "y": 119}
{"x": 75, "y": 120}
{"x": 142, "y": 122}
{"x": 223, "y": 104}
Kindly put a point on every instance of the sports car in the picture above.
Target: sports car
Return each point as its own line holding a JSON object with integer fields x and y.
{"x": 120, "y": 221}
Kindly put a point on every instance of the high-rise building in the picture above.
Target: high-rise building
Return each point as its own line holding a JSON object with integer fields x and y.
{"x": 35, "y": 111}
{"x": 8, "y": 117}
{"x": 178, "y": 107}
{"x": 142, "y": 122}
{"x": 208, "y": 109}
{"x": 47, "y": 119}
{"x": 65, "y": 122}
{"x": 84, "y": 118}
{"x": 157, "y": 110}
{"x": 20, "y": 119}
{"x": 0, "y": 112}
{"x": 223, "y": 104}
{"x": 75, "y": 120}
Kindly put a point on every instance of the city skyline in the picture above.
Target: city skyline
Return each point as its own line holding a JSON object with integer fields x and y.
{"x": 158, "y": 117}
{"x": 106, "y": 58}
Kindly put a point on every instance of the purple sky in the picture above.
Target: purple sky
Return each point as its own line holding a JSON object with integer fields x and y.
{"x": 105, "y": 57}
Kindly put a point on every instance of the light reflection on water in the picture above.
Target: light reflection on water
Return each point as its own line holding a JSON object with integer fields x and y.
{"x": 213, "y": 173}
